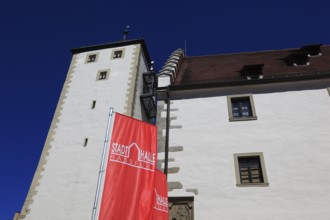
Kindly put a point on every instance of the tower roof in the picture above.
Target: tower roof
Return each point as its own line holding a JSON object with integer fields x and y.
{"x": 113, "y": 45}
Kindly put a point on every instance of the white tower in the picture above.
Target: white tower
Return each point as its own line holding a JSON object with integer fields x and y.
{"x": 99, "y": 77}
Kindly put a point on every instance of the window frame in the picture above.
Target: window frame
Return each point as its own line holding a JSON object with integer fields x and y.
{"x": 99, "y": 73}
{"x": 242, "y": 118}
{"x": 260, "y": 155}
{"x": 115, "y": 50}
{"x": 89, "y": 54}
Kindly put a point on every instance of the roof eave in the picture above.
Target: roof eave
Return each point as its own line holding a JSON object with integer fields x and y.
{"x": 249, "y": 82}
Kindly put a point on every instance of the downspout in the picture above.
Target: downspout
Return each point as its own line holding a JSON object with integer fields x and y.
{"x": 167, "y": 130}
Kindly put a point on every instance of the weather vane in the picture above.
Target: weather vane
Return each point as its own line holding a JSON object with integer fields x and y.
{"x": 125, "y": 32}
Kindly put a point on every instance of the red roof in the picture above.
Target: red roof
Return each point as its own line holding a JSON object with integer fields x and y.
{"x": 227, "y": 67}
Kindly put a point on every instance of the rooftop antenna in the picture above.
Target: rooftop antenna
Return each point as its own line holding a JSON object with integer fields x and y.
{"x": 125, "y": 32}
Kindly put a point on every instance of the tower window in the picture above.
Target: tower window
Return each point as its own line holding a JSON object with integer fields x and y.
{"x": 241, "y": 108}
{"x": 85, "y": 142}
{"x": 91, "y": 58}
{"x": 250, "y": 169}
{"x": 116, "y": 54}
{"x": 103, "y": 75}
{"x": 93, "y": 104}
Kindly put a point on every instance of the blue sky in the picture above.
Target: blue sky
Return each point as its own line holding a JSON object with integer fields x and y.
{"x": 36, "y": 38}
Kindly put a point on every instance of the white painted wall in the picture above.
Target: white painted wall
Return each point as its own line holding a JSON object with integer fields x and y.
{"x": 292, "y": 131}
{"x": 67, "y": 187}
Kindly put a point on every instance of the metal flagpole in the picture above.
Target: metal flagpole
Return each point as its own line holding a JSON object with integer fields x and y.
{"x": 106, "y": 140}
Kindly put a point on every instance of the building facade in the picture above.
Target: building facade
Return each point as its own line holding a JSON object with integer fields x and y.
{"x": 240, "y": 135}
{"x": 248, "y": 133}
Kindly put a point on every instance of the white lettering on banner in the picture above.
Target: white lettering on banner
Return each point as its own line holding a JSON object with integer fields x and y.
{"x": 161, "y": 203}
{"x": 138, "y": 158}
{"x": 120, "y": 149}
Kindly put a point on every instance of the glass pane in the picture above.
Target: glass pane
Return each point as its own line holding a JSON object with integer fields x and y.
{"x": 103, "y": 75}
{"x": 250, "y": 170}
{"x": 241, "y": 107}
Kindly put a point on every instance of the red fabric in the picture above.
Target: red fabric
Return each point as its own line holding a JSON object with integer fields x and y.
{"x": 130, "y": 175}
{"x": 160, "y": 197}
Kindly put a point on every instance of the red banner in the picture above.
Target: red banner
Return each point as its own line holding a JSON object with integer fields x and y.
{"x": 130, "y": 175}
{"x": 160, "y": 197}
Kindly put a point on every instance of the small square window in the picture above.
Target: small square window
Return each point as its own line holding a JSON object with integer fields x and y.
{"x": 116, "y": 54}
{"x": 91, "y": 58}
{"x": 241, "y": 108}
{"x": 85, "y": 142}
{"x": 103, "y": 75}
{"x": 93, "y": 104}
{"x": 250, "y": 169}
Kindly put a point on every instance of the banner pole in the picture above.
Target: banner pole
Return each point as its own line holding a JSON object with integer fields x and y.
{"x": 106, "y": 140}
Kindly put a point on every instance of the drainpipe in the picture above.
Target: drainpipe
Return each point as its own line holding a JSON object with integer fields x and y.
{"x": 167, "y": 130}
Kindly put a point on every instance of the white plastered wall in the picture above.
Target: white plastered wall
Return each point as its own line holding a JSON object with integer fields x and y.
{"x": 292, "y": 131}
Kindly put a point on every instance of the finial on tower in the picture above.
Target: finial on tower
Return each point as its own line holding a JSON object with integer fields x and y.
{"x": 125, "y": 32}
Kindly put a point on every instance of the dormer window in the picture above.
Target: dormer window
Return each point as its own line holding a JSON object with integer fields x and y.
{"x": 252, "y": 71}
{"x": 297, "y": 59}
{"x": 311, "y": 50}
